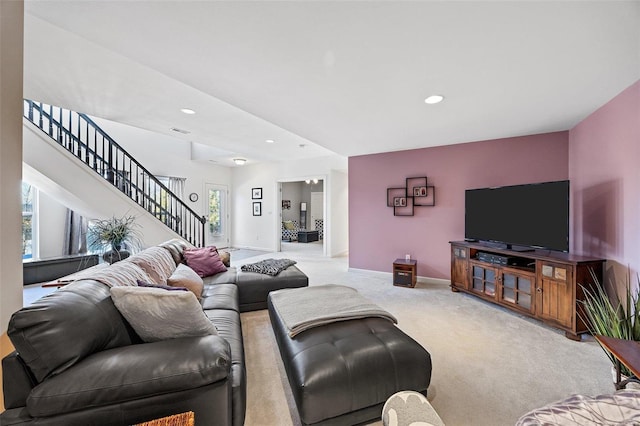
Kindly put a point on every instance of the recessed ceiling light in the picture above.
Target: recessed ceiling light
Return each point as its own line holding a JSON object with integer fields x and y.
{"x": 269, "y": 141}
{"x": 188, "y": 111}
{"x": 240, "y": 161}
{"x": 434, "y": 99}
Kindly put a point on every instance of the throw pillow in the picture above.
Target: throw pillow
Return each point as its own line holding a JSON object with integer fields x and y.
{"x": 289, "y": 225}
{"x": 268, "y": 266}
{"x": 205, "y": 261}
{"x": 184, "y": 276}
{"x": 157, "y": 314}
{"x": 225, "y": 256}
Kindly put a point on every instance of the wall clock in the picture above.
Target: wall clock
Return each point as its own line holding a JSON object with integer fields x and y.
{"x": 193, "y": 197}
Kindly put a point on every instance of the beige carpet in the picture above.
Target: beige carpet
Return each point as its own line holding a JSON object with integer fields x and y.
{"x": 490, "y": 365}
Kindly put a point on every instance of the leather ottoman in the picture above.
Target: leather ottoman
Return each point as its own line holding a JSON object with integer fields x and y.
{"x": 343, "y": 373}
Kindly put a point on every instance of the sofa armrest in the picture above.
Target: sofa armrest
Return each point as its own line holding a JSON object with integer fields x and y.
{"x": 17, "y": 381}
{"x": 133, "y": 372}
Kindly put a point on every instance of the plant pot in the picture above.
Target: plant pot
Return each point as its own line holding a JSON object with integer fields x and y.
{"x": 113, "y": 256}
{"x": 623, "y": 377}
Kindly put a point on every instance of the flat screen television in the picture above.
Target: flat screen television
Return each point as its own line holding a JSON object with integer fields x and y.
{"x": 520, "y": 216}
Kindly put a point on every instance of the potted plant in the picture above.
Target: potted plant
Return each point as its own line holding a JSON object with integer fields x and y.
{"x": 618, "y": 318}
{"x": 114, "y": 235}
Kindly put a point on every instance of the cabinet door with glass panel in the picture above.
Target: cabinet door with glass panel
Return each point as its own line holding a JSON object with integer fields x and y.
{"x": 484, "y": 279}
{"x": 516, "y": 288}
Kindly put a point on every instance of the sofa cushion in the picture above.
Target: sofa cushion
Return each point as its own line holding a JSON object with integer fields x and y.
{"x": 60, "y": 329}
{"x": 205, "y": 261}
{"x": 164, "y": 287}
{"x": 230, "y": 328}
{"x": 228, "y": 277}
{"x": 220, "y": 296}
{"x": 156, "y": 262}
{"x": 133, "y": 372}
{"x": 157, "y": 314}
{"x": 184, "y": 276}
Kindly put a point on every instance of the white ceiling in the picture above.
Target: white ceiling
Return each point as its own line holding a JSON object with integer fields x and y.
{"x": 344, "y": 77}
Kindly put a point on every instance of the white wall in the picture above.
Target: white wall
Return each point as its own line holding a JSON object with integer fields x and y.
{"x": 168, "y": 156}
{"x": 55, "y": 171}
{"x": 292, "y": 191}
{"x": 338, "y": 223}
{"x": 248, "y": 231}
{"x": 263, "y": 232}
{"x": 165, "y": 155}
{"x": 11, "y": 53}
{"x": 51, "y": 217}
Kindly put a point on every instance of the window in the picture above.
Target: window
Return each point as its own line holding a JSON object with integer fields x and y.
{"x": 29, "y": 231}
{"x": 216, "y": 231}
{"x": 215, "y": 221}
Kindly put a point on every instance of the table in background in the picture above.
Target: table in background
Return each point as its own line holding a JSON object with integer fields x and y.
{"x": 307, "y": 236}
{"x": 405, "y": 272}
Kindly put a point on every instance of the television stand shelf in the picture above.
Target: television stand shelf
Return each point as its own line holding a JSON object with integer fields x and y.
{"x": 540, "y": 283}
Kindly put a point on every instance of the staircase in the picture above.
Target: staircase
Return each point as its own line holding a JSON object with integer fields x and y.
{"x": 87, "y": 142}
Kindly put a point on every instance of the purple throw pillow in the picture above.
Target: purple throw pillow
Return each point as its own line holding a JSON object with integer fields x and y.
{"x": 164, "y": 287}
{"x": 205, "y": 261}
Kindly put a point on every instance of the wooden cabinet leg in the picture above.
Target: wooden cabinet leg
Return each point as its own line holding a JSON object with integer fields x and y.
{"x": 455, "y": 290}
{"x": 572, "y": 336}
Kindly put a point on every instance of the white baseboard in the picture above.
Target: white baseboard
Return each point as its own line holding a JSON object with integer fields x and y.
{"x": 425, "y": 280}
{"x": 253, "y": 248}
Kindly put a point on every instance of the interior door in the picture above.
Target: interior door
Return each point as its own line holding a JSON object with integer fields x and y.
{"x": 317, "y": 209}
{"x": 217, "y": 213}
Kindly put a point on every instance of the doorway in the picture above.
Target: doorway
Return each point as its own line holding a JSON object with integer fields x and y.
{"x": 301, "y": 227}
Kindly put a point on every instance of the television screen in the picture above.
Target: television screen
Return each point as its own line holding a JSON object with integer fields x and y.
{"x": 533, "y": 215}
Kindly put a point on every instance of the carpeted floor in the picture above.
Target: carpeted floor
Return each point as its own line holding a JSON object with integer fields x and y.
{"x": 490, "y": 365}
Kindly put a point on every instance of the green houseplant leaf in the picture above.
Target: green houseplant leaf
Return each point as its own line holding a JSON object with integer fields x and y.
{"x": 113, "y": 233}
{"x": 619, "y": 319}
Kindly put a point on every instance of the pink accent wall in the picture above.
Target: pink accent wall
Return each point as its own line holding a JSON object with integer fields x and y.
{"x": 377, "y": 238}
{"x": 604, "y": 168}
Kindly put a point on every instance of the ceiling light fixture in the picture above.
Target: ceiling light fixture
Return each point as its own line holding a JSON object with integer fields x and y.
{"x": 269, "y": 141}
{"x": 188, "y": 111}
{"x": 240, "y": 161}
{"x": 434, "y": 99}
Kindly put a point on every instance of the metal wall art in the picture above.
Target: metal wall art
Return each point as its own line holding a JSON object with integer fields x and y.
{"x": 416, "y": 193}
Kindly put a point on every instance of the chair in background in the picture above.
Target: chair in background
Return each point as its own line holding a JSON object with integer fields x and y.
{"x": 290, "y": 230}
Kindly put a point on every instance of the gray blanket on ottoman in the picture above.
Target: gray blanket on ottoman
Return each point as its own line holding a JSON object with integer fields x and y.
{"x": 303, "y": 308}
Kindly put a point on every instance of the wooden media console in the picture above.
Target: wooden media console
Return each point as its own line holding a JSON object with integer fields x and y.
{"x": 542, "y": 284}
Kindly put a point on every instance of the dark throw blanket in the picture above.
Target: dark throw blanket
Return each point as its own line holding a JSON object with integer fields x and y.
{"x": 268, "y": 266}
